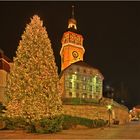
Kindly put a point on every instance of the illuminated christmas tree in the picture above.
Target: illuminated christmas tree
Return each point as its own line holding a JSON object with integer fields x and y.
{"x": 33, "y": 86}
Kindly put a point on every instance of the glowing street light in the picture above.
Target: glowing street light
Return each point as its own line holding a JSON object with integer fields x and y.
{"x": 109, "y": 109}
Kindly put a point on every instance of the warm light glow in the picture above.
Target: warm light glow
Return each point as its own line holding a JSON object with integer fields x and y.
{"x": 109, "y": 107}
{"x": 71, "y": 42}
{"x": 33, "y": 82}
{"x": 72, "y": 23}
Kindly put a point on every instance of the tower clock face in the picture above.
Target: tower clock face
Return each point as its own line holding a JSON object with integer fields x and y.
{"x": 75, "y": 54}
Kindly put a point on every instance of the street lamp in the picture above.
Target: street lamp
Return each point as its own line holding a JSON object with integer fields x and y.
{"x": 109, "y": 109}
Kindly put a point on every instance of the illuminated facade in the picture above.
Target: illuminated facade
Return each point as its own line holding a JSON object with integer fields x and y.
{"x": 72, "y": 45}
{"x": 78, "y": 79}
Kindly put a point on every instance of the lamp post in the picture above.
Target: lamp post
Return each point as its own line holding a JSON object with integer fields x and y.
{"x": 109, "y": 109}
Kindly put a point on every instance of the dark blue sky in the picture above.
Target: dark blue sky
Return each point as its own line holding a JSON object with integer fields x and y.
{"x": 111, "y": 32}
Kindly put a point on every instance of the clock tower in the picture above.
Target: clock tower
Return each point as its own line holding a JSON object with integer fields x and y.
{"x": 72, "y": 49}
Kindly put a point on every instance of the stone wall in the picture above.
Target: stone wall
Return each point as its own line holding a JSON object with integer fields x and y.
{"x": 97, "y": 112}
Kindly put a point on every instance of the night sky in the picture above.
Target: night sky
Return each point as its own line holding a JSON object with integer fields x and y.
{"x": 111, "y": 32}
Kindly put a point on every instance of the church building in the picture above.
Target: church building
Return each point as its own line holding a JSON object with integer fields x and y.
{"x": 78, "y": 79}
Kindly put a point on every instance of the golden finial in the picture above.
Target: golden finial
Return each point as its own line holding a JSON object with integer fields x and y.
{"x": 72, "y": 21}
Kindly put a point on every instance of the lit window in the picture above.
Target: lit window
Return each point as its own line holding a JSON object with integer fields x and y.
{"x": 90, "y": 79}
{"x": 90, "y": 96}
{"x": 84, "y": 78}
{"x": 77, "y": 77}
{"x": 84, "y": 87}
{"x": 77, "y": 95}
{"x": 70, "y": 84}
{"x": 70, "y": 76}
{"x": 77, "y": 85}
{"x": 98, "y": 88}
{"x": 75, "y": 72}
{"x": 90, "y": 88}
{"x": 84, "y": 95}
{"x": 70, "y": 94}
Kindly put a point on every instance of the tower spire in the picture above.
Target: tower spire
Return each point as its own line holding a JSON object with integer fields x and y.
{"x": 72, "y": 21}
{"x": 73, "y": 11}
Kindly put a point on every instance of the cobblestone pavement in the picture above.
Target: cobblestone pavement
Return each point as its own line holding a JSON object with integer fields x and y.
{"x": 129, "y": 131}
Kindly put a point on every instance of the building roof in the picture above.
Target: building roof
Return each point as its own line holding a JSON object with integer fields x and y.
{"x": 4, "y": 57}
{"x": 80, "y": 63}
{"x": 4, "y": 65}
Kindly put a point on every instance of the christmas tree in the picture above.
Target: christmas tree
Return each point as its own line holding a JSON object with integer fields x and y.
{"x": 33, "y": 84}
